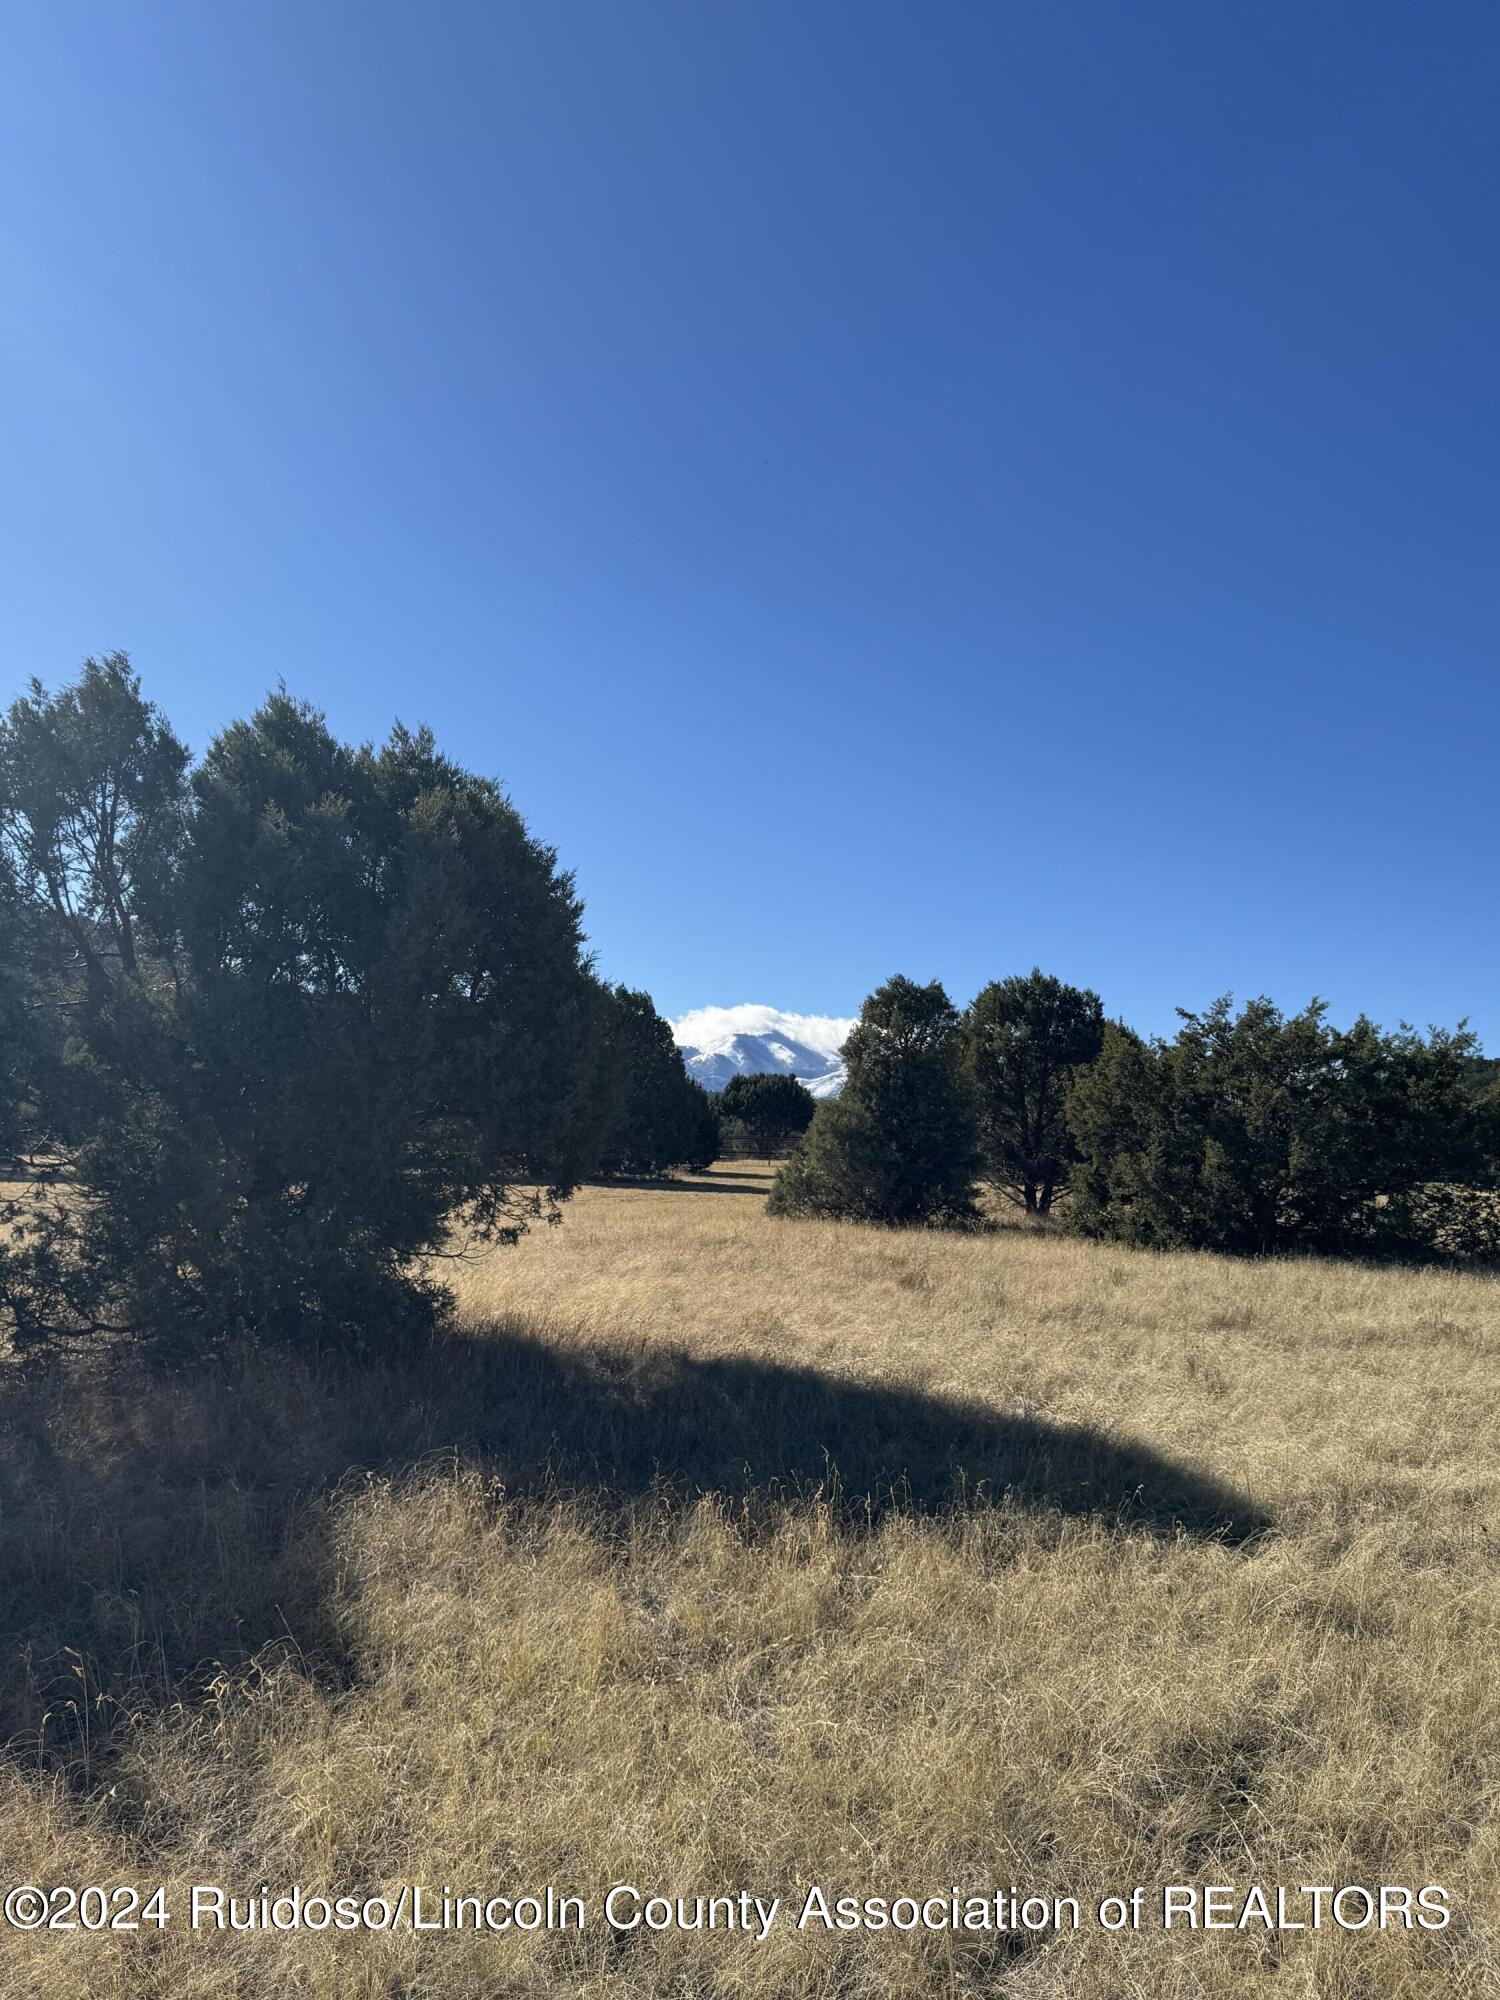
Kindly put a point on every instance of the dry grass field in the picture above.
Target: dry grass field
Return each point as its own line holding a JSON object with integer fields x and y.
{"x": 720, "y": 1554}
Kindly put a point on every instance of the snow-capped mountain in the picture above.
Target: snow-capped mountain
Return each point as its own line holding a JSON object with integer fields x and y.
{"x": 718, "y": 1043}
{"x": 764, "y": 1055}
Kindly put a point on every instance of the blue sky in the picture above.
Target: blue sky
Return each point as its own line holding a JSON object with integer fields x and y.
{"x": 887, "y": 488}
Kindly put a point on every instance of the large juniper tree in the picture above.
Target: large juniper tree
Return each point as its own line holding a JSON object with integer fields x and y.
{"x": 1025, "y": 1039}
{"x": 330, "y": 1008}
{"x": 898, "y": 1146}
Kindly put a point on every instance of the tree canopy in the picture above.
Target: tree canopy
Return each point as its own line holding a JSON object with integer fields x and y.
{"x": 774, "y": 1110}
{"x": 652, "y": 1115}
{"x": 899, "y": 1145}
{"x": 1259, "y": 1131}
{"x": 1025, "y": 1039}
{"x": 328, "y": 1006}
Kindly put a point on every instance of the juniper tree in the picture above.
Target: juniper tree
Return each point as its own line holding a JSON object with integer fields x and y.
{"x": 1025, "y": 1039}
{"x": 702, "y": 1129}
{"x": 654, "y": 1116}
{"x": 20, "y": 1024}
{"x": 333, "y": 1003}
{"x": 1262, "y": 1132}
{"x": 92, "y": 801}
{"x": 899, "y": 1145}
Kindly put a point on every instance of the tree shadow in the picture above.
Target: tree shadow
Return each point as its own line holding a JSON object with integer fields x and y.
{"x": 152, "y": 1529}
{"x": 619, "y": 1423}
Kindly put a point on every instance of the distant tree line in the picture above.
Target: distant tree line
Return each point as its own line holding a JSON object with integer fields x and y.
{"x": 280, "y": 1029}
{"x": 1251, "y": 1132}
{"x": 763, "y": 1116}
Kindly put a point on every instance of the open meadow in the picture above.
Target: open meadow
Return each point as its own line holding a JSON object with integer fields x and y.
{"x": 717, "y": 1554}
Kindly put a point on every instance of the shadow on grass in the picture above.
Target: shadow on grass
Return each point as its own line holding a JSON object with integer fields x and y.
{"x": 618, "y": 1424}
{"x": 152, "y": 1528}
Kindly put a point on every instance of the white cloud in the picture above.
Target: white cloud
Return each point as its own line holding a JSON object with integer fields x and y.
{"x": 710, "y": 1028}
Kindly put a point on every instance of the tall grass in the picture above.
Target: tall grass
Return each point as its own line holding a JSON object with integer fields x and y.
{"x": 720, "y": 1554}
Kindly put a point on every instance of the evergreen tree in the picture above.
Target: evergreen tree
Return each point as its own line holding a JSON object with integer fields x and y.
{"x": 774, "y": 1110}
{"x": 20, "y": 1025}
{"x": 1025, "y": 1039}
{"x": 702, "y": 1128}
{"x": 657, "y": 1117}
{"x": 332, "y": 1008}
{"x": 92, "y": 800}
{"x": 1484, "y": 1093}
{"x": 898, "y": 1146}
{"x": 1258, "y": 1132}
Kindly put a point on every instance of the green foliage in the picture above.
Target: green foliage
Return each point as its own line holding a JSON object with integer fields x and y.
{"x": 20, "y": 1024}
{"x": 703, "y": 1129}
{"x": 1025, "y": 1039}
{"x": 899, "y": 1145}
{"x": 1483, "y": 1078}
{"x": 774, "y": 1110}
{"x": 654, "y": 1116}
{"x": 300, "y": 1019}
{"x": 1260, "y": 1133}
{"x": 332, "y": 1005}
{"x": 91, "y": 817}
{"x": 92, "y": 805}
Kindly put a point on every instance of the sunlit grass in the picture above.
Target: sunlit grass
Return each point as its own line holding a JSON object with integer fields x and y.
{"x": 359, "y": 1628}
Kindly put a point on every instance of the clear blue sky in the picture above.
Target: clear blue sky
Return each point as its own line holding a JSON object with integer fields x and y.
{"x": 887, "y": 488}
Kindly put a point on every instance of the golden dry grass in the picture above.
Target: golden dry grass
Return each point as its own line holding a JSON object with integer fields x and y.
{"x": 1133, "y": 1569}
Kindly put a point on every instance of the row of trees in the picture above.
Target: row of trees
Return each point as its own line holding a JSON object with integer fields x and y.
{"x": 766, "y": 1115}
{"x": 285, "y": 1019}
{"x": 1251, "y": 1132}
{"x": 279, "y": 1028}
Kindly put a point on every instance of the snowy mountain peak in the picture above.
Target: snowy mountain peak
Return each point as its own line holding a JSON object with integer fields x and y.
{"x": 718, "y": 1043}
